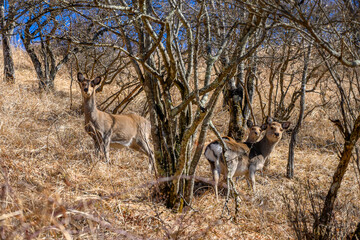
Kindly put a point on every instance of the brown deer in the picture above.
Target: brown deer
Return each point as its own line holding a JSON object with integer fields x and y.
{"x": 241, "y": 160}
{"x": 253, "y": 136}
{"x": 254, "y": 133}
{"x": 125, "y": 130}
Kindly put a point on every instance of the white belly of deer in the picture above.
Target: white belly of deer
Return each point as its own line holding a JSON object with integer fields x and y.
{"x": 241, "y": 169}
{"x": 120, "y": 144}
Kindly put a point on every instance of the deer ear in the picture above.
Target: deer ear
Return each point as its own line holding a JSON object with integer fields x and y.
{"x": 97, "y": 81}
{"x": 285, "y": 125}
{"x": 80, "y": 77}
{"x": 249, "y": 123}
{"x": 263, "y": 127}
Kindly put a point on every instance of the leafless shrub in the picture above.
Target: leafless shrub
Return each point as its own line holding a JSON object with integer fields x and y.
{"x": 304, "y": 204}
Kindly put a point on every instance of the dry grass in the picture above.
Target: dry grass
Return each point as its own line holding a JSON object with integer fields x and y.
{"x": 53, "y": 187}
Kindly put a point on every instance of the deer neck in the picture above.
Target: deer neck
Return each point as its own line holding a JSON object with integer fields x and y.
{"x": 265, "y": 147}
{"x": 90, "y": 109}
{"x": 250, "y": 140}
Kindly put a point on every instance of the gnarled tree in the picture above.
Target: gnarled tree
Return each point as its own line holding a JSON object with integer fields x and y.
{"x": 169, "y": 43}
{"x": 39, "y": 28}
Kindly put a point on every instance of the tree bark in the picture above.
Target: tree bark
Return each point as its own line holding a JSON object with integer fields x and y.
{"x": 189, "y": 184}
{"x": 9, "y": 72}
{"x": 44, "y": 60}
{"x": 234, "y": 99}
{"x": 250, "y": 87}
{"x": 236, "y": 130}
{"x": 290, "y": 165}
{"x": 321, "y": 227}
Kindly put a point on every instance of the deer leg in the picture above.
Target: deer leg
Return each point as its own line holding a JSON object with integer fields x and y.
{"x": 144, "y": 147}
{"x": 231, "y": 165}
{"x": 266, "y": 165}
{"x": 96, "y": 139}
{"x": 252, "y": 170}
{"x": 95, "y": 135}
{"x": 147, "y": 149}
{"x": 106, "y": 146}
{"x": 216, "y": 175}
{"x": 247, "y": 177}
{"x": 97, "y": 148}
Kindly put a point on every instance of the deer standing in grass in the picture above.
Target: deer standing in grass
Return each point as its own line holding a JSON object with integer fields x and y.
{"x": 240, "y": 159}
{"x": 122, "y": 130}
{"x": 214, "y": 149}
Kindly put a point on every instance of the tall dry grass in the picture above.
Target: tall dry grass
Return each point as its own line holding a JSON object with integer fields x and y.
{"x": 53, "y": 187}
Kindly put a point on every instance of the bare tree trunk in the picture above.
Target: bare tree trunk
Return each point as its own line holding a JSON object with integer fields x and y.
{"x": 44, "y": 60}
{"x": 290, "y": 165}
{"x": 321, "y": 227}
{"x": 189, "y": 184}
{"x": 250, "y": 86}
{"x": 239, "y": 97}
{"x": 234, "y": 100}
{"x": 9, "y": 72}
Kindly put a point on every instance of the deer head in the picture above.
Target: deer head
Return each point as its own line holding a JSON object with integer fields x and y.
{"x": 88, "y": 86}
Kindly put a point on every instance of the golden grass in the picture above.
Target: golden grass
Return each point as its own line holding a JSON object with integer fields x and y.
{"x": 52, "y": 186}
